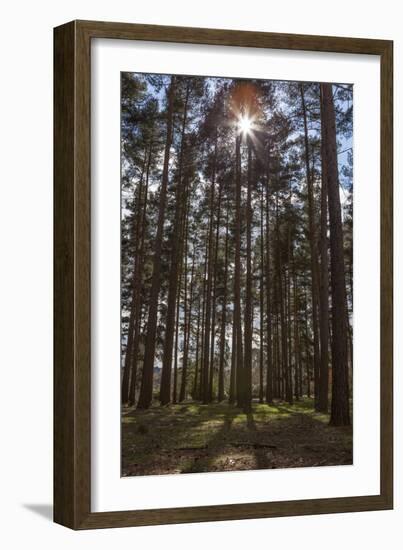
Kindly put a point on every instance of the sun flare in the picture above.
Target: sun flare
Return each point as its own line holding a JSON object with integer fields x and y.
{"x": 245, "y": 124}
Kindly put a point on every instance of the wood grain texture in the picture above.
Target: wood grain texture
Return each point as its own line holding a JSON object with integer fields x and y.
{"x": 220, "y": 37}
{"x": 72, "y": 278}
{"x": 386, "y": 282}
{"x": 64, "y": 382}
{"x": 72, "y": 264}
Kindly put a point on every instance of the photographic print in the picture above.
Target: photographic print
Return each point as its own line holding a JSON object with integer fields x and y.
{"x": 236, "y": 274}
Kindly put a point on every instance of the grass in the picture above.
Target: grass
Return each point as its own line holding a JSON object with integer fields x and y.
{"x": 191, "y": 437}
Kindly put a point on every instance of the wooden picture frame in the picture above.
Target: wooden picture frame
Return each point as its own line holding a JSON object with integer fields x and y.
{"x": 72, "y": 320}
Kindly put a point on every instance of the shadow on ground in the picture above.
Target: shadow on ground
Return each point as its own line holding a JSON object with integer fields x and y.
{"x": 192, "y": 437}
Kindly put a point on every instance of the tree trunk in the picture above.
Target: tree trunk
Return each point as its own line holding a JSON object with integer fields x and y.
{"x": 128, "y": 366}
{"x": 203, "y": 321}
{"x": 314, "y": 255}
{"x": 206, "y": 354}
{"x": 269, "y": 368}
{"x": 287, "y": 276}
{"x": 340, "y": 411}
{"x": 138, "y": 295}
{"x": 324, "y": 282}
{"x": 195, "y": 381}
{"x": 247, "y": 403}
{"x": 178, "y": 303}
{"x": 223, "y": 315}
{"x": 281, "y": 296}
{"x": 307, "y": 351}
{"x": 237, "y": 277}
{"x": 176, "y": 348}
{"x": 232, "y": 382}
{"x": 297, "y": 374}
{"x": 173, "y": 276}
{"x": 284, "y": 313}
{"x": 188, "y": 320}
{"x": 213, "y": 315}
{"x": 146, "y": 392}
{"x": 261, "y": 303}
{"x": 277, "y": 350}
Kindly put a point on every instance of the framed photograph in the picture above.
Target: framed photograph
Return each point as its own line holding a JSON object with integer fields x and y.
{"x": 223, "y": 275}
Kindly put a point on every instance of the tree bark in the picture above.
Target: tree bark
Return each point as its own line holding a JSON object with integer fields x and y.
{"x": 287, "y": 277}
{"x": 314, "y": 255}
{"x": 206, "y": 352}
{"x": 138, "y": 294}
{"x": 188, "y": 319}
{"x": 297, "y": 374}
{"x": 195, "y": 381}
{"x": 324, "y": 281}
{"x": 237, "y": 277}
{"x": 261, "y": 302}
{"x": 281, "y": 296}
{"x": 232, "y": 382}
{"x": 223, "y": 315}
{"x": 176, "y": 348}
{"x": 203, "y": 319}
{"x": 165, "y": 389}
{"x": 213, "y": 314}
{"x": 128, "y": 365}
{"x": 340, "y": 410}
{"x": 307, "y": 351}
{"x": 247, "y": 402}
{"x": 269, "y": 368}
{"x": 146, "y": 392}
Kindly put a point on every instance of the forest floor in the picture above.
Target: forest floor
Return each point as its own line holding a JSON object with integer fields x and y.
{"x": 191, "y": 437}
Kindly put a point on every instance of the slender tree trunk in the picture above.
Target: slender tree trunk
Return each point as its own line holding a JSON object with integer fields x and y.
{"x": 277, "y": 350}
{"x": 195, "y": 382}
{"x": 182, "y": 390}
{"x": 350, "y": 343}
{"x": 281, "y": 295}
{"x": 233, "y": 368}
{"x": 213, "y": 315}
{"x": 287, "y": 276}
{"x": 261, "y": 305}
{"x": 165, "y": 389}
{"x": 146, "y": 392}
{"x": 138, "y": 294}
{"x": 237, "y": 278}
{"x": 223, "y": 315}
{"x": 206, "y": 354}
{"x": 182, "y": 273}
{"x": 349, "y": 327}
{"x": 188, "y": 310}
{"x": 276, "y": 391}
{"x": 314, "y": 255}
{"x": 276, "y": 303}
{"x": 247, "y": 404}
{"x": 203, "y": 319}
{"x": 324, "y": 282}
{"x": 128, "y": 366}
{"x": 284, "y": 312}
{"x": 297, "y": 383}
{"x": 269, "y": 368}
{"x": 340, "y": 410}
{"x": 232, "y": 382}
{"x": 176, "y": 348}
{"x": 307, "y": 351}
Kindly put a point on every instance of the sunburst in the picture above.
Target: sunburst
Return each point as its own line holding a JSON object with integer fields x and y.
{"x": 245, "y": 124}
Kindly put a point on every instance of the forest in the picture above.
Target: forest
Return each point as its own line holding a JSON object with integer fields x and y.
{"x": 236, "y": 273}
